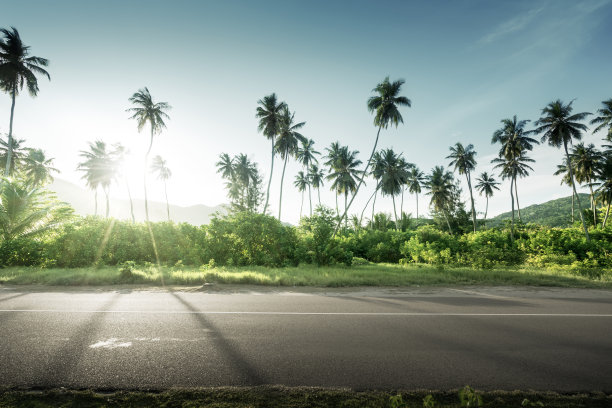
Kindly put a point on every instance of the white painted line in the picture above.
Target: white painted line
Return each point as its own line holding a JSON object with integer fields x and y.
{"x": 472, "y": 292}
{"x": 416, "y": 314}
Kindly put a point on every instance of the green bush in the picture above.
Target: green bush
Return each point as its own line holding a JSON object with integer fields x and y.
{"x": 22, "y": 252}
{"x": 317, "y": 244}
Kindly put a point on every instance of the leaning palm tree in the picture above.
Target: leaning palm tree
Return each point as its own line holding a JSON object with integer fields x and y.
{"x": 585, "y": 162}
{"x": 385, "y": 107}
{"x": 605, "y": 119}
{"x": 559, "y": 128}
{"x": 377, "y": 172}
{"x": 37, "y": 168}
{"x": 147, "y": 111}
{"x": 485, "y": 185}
{"x": 269, "y": 114}
{"x": 160, "y": 167}
{"x": 563, "y": 170}
{"x": 463, "y": 161}
{"x": 441, "y": 188}
{"x": 514, "y": 142}
{"x": 287, "y": 144}
{"x": 316, "y": 176}
{"x": 307, "y": 156}
{"x": 301, "y": 182}
{"x": 344, "y": 174}
{"x": 416, "y": 179}
{"x": 394, "y": 177}
{"x": 17, "y": 69}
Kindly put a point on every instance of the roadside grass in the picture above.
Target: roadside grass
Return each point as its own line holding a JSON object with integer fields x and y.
{"x": 272, "y": 397}
{"x": 309, "y": 275}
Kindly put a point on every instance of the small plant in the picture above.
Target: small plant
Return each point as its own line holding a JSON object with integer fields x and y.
{"x": 469, "y": 397}
{"x": 126, "y": 271}
{"x": 527, "y": 403}
{"x": 429, "y": 401}
{"x": 397, "y": 401}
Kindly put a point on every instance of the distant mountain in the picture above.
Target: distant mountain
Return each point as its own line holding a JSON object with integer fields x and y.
{"x": 83, "y": 203}
{"x": 553, "y": 213}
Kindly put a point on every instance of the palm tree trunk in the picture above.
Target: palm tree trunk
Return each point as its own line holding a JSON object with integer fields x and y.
{"x": 593, "y": 206}
{"x": 374, "y": 205}
{"x": 269, "y": 179}
{"x": 146, "y": 166}
{"x": 366, "y": 206}
{"x": 469, "y": 181}
{"x": 96, "y": 200}
{"x": 131, "y": 203}
{"x": 606, "y": 217}
{"x": 9, "y": 152}
{"x": 417, "y": 201}
{"x": 310, "y": 199}
{"x": 280, "y": 202}
{"x": 337, "y": 210}
{"x": 166, "y": 194}
{"x": 447, "y": 221}
{"x": 573, "y": 207}
{"x": 512, "y": 199}
{"x": 345, "y": 218}
{"x": 395, "y": 213}
{"x": 319, "y": 194}
{"x": 486, "y": 211}
{"x": 365, "y": 171}
{"x": 402, "y": 205}
{"x": 107, "y": 202}
{"x": 302, "y": 205}
{"x": 518, "y": 207}
{"x": 571, "y": 172}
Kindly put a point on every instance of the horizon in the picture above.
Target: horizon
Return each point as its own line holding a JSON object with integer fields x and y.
{"x": 212, "y": 62}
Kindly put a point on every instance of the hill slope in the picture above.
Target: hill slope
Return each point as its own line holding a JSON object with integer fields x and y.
{"x": 553, "y": 213}
{"x": 83, "y": 203}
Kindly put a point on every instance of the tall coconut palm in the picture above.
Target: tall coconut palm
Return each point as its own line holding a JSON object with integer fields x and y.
{"x": 485, "y": 184}
{"x": 19, "y": 155}
{"x": 287, "y": 144}
{"x": 605, "y": 119}
{"x": 37, "y": 168}
{"x": 416, "y": 179}
{"x": 307, "y": 156}
{"x": 301, "y": 183}
{"x": 100, "y": 169}
{"x": 121, "y": 154}
{"x": 333, "y": 153}
{"x": 344, "y": 174}
{"x": 376, "y": 171}
{"x": 145, "y": 111}
{"x": 604, "y": 183}
{"x": 17, "y": 69}
{"x": 585, "y": 161}
{"x": 406, "y": 168}
{"x": 563, "y": 170}
{"x": 385, "y": 106}
{"x": 160, "y": 167}
{"x": 269, "y": 114}
{"x": 316, "y": 176}
{"x": 441, "y": 186}
{"x": 394, "y": 177}
{"x": 514, "y": 142}
{"x": 559, "y": 128}
{"x": 463, "y": 161}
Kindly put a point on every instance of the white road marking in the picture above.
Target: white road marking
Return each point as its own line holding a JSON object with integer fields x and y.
{"x": 110, "y": 344}
{"x": 416, "y": 314}
{"x": 473, "y": 292}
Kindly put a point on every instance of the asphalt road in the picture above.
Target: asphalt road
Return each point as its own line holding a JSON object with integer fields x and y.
{"x": 495, "y": 338}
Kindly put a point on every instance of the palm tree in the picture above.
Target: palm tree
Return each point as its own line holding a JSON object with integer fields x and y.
{"x": 269, "y": 114}
{"x": 605, "y": 119}
{"x": 485, "y": 185}
{"x": 17, "y": 69}
{"x": 37, "y": 168}
{"x": 243, "y": 182}
{"x": 514, "y": 142}
{"x": 586, "y": 160}
{"x": 301, "y": 182}
{"x": 385, "y": 105}
{"x": 316, "y": 176}
{"x": 344, "y": 174}
{"x": 307, "y": 156}
{"x": 333, "y": 153}
{"x": 563, "y": 170}
{"x": 160, "y": 167}
{"x": 287, "y": 144}
{"x": 441, "y": 188}
{"x": 416, "y": 179}
{"x": 146, "y": 110}
{"x": 604, "y": 189}
{"x": 406, "y": 167}
{"x": 100, "y": 169}
{"x": 394, "y": 177}
{"x": 377, "y": 171}
{"x": 560, "y": 127}
{"x": 18, "y": 155}
{"x": 462, "y": 158}
{"x": 120, "y": 154}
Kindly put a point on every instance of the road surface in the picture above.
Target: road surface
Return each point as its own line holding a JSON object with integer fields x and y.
{"x": 489, "y": 338}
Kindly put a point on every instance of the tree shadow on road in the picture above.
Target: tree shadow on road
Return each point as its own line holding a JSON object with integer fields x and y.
{"x": 13, "y": 296}
{"x": 237, "y": 362}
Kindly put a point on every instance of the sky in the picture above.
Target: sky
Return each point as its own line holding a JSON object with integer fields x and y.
{"x": 466, "y": 64}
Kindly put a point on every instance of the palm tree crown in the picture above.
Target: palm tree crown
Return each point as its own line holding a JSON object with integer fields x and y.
{"x": 385, "y": 104}
{"x": 147, "y": 111}
{"x": 37, "y": 168}
{"x": 604, "y": 119}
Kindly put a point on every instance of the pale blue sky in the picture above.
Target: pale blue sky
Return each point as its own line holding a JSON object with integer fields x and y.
{"x": 467, "y": 65}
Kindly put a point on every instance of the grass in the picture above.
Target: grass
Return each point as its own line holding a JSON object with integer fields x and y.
{"x": 288, "y": 397}
{"x": 309, "y": 275}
